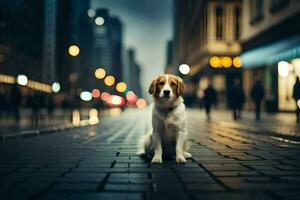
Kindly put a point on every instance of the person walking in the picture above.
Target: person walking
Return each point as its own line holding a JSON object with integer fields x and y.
{"x": 236, "y": 99}
{"x": 257, "y": 94}
{"x": 209, "y": 99}
{"x": 296, "y": 96}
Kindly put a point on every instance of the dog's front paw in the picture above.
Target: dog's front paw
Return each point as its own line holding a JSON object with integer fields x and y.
{"x": 156, "y": 159}
{"x": 180, "y": 159}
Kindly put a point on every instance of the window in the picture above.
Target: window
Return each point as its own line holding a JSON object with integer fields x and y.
{"x": 276, "y": 5}
{"x": 219, "y": 23}
{"x": 237, "y": 16}
{"x": 256, "y": 7}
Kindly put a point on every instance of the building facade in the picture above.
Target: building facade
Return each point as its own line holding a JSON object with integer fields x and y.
{"x": 134, "y": 81}
{"x": 207, "y": 35}
{"x": 271, "y": 49}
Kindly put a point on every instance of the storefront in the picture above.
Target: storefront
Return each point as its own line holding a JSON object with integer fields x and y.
{"x": 277, "y": 65}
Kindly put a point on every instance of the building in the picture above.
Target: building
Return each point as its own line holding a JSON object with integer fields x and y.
{"x": 21, "y": 38}
{"x": 271, "y": 49}
{"x": 170, "y": 59}
{"x": 108, "y": 46}
{"x": 207, "y": 35}
{"x": 134, "y": 81}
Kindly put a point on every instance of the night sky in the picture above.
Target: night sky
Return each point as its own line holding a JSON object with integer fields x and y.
{"x": 148, "y": 25}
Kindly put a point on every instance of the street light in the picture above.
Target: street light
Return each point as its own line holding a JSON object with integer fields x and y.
{"x": 99, "y": 21}
{"x": 184, "y": 69}
{"x": 22, "y": 80}
{"x": 226, "y": 61}
{"x": 237, "y": 62}
{"x": 55, "y": 87}
{"x": 74, "y": 50}
{"x": 215, "y": 62}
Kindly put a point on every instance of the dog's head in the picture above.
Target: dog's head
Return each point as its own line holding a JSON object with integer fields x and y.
{"x": 166, "y": 87}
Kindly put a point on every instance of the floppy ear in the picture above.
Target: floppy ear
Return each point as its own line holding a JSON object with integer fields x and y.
{"x": 180, "y": 86}
{"x": 152, "y": 87}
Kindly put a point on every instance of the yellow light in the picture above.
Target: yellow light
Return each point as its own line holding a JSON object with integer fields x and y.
{"x": 226, "y": 61}
{"x": 7, "y": 79}
{"x": 109, "y": 80}
{"x": 121, "y": 87}
{"x": 100, "y": 73}
{"x": 237, "y": 62}
{"x": 74, "y": 50}
{"x": 215, "y": 62}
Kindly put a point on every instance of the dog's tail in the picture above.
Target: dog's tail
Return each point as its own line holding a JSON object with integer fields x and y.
{"x": 146, "y": 145}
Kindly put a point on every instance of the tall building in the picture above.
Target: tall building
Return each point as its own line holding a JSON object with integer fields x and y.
{"x": 271, "y": 49}
{"x": 207, "y": 35}
{"x": 49, "y": 41}
{"x": 134, "y": 81}
{"x": 170, "y": 59}
{"x": 108, "y": 46}
{"x": 21, "y": 38}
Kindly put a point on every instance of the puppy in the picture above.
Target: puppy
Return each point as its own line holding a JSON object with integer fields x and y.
{"x": 169, "y": 135}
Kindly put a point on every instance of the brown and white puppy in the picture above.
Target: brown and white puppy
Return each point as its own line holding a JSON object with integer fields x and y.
{"x": 169, "y": 135}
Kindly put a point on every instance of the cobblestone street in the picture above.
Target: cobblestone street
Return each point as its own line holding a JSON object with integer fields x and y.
{"x": 230, "y": 161}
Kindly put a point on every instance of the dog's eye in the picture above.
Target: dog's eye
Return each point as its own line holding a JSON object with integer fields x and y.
{"x": 161, "y": 83}
{"x": 173, "y": 84}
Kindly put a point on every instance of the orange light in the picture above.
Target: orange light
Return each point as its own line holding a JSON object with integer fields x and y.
{"x": 96, "y": 93}
{"x": 109, "y": 80}
{"x": 130, "y": 96}
{"x": 141, "y": 103}
{"x": 237, "y": 62}
{"x": 121, "y": 87}
{"x": 215, "y": 62}
{"x": 105, "y": 96}
{"x": 100, "y": 73}
{"x": 226, "y": 61}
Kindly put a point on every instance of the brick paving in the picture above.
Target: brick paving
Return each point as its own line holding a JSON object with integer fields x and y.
{"x": 100, "y": 162}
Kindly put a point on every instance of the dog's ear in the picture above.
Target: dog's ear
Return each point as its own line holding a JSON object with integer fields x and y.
{"x": 152, "y": 87}
{"x": 180, "y": 86}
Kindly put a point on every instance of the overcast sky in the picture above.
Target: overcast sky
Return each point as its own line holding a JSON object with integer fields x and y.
{"x": 148, "y": 25}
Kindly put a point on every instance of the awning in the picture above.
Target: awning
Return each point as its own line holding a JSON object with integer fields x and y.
{"x": 285, "y": 49}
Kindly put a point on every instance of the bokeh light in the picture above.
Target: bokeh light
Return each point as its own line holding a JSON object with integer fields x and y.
{"x": 74, "y": 50}
{"x": 184, "y": 69}
{"x": 141, "y": 103}
{"x": 226, "y": 61}
{"x": 283, "y": 68}
{"x": 96, "y": 93}
{"x": 237, "y": 62}
{"x": 131, "y": 97}
{"x": 55, "y": 87}
{"x": 105, "y": 96}
{"x": 121, "y": 87}
{"x": 93, "y": 116}
{"x": 86, "y": 96}
{"x": 116, "y": 100}
{"x": 22, "y": 79}
{"x": 99, "y": 21}
{"x": 215, "y": 62}
{"x": 91, "y": 13}
{"x": 100, "y": 73}
{"x": 109, "y": 80}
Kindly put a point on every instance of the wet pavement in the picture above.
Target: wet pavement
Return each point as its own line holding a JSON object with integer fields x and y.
{"x": 231, "y": 160}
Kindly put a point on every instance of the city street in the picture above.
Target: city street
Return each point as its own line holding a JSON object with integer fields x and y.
{"x": 231, "y": 160}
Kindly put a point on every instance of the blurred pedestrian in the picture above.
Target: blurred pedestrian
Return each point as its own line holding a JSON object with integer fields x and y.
{"x": 15, "y": 100}
{"x": 34, "y": 103}
{"x": 236, "y": 99}
{"x": 296, "y": 96}
{"x": 209, "y": 99}
{"x": 257, "y": 94}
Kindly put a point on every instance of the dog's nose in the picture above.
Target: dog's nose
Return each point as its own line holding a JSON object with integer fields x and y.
{"x": 166, "y": 92}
